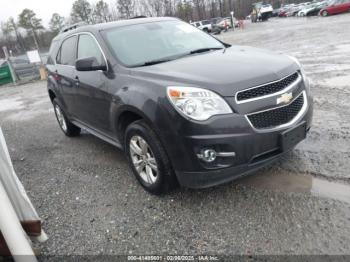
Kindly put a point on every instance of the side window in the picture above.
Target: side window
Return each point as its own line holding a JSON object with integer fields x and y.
{"x": 87, "y": 47}
{"x": 66, "y": 54}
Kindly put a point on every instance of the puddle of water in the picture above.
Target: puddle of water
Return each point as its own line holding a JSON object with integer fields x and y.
{"x": 10, "y": 104}
{"x": 298, "y": 184}
{"x": 332, "y": 190}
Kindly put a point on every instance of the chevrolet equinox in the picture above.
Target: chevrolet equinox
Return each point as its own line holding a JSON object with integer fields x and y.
{"x": 185, "y": 107}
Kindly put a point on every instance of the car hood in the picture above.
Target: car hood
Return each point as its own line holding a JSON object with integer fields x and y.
{"x": 223, "y": 71}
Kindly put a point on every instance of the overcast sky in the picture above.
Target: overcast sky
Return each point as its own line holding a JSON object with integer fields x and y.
{"x": 43, "y": 8}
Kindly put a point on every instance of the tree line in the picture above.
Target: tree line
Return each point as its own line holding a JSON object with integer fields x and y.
{"x": 27, "y": 31}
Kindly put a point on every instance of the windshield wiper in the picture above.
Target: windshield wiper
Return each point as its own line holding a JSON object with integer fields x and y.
{"x": 202, "y": 50}
{"x": 164, "y": 60}
{"x": 154, "y": 62}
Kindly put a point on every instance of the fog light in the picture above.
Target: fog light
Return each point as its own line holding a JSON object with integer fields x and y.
{"x": 208, "y": 155}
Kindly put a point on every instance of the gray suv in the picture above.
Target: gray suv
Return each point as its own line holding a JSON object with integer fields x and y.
{"x": 147, "y": 86}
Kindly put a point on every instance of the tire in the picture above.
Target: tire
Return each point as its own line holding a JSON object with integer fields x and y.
{"x": 324, "y": 13}
{"x": 206, "y": 30}
{"x": 66, "y": 126}
{"x": 159, "y": 180}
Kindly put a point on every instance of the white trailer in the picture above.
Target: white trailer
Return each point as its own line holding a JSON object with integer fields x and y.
{"x": 17, "y": 216}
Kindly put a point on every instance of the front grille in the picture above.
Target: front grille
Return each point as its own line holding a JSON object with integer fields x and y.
{"x": 268, "y": 88}
{"x": 278, "y": 116}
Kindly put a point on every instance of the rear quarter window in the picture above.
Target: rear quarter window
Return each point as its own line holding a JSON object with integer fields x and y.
{"x": 52, "y": 52}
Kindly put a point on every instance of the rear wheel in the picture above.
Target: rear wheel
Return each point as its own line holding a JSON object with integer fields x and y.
{"x": 148, "y": 160}
{"x": 66, "y": 126}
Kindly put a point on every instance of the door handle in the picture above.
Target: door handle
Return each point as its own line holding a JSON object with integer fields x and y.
{"x": 77, "y": 82}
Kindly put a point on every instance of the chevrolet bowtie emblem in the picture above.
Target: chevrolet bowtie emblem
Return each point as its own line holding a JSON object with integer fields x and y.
{"x": 285, "y": 98}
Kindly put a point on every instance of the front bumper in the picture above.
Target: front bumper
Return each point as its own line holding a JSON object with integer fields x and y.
{"x": 211, "y": 178}
{"x": 226, "y": 133}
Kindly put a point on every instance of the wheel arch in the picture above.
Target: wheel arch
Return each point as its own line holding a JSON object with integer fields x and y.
{"x": 127, "y": 116}
{"x": 52, "y": 95}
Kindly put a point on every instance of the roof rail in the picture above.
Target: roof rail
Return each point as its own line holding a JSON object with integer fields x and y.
{"x": 72, "y": 27}
{"x": 138, "y": 17}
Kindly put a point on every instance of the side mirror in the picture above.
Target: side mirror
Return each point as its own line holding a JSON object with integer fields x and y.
{"x": 89, "y": 64}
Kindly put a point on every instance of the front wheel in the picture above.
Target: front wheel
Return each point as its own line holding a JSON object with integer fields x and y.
{"x": 148, "y": 159}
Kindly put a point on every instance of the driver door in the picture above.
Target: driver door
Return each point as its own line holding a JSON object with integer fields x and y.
{"x": 92, "y": 98}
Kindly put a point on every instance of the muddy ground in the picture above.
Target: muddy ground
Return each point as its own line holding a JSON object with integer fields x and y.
{"x": 323, "y": 47}
{"x": 91, "y": 203}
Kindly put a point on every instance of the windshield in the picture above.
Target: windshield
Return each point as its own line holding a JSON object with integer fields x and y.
{"x": 138, "y": 44}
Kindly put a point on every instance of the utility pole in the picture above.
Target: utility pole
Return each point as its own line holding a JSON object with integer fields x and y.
{"x": 35, "y": 40}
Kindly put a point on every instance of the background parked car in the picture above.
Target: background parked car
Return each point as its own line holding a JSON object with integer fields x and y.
{"x": 282, "y": 12}
{"x": 261, "y": 12}
{"x": 336, "y": 7}
{"x": 318, "y": 7}
{"x": 207, "y": 26}
{"x": 204, "y": 25}
{"x": 226, "y": 23}
{"x": 275, "y": 12}
{"x": 217, "y": 25}
{"x": 306, "y": 9}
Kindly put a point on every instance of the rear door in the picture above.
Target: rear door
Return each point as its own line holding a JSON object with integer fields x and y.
{"x": 65, "y": 76}
{"x": 92, "y": 98}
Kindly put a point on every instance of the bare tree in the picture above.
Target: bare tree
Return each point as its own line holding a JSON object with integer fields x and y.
{"x": 126, "y": 8}
{"x": 27, "y": 19}
{"x": 101, "y": 12}
{"x": 184, "y": 10}
{"x": 56, "y": 23}
{"x": 81, "y": 11}
{"x": 6, "y": 30}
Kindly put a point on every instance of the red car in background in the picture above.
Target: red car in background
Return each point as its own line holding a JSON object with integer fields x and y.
{"x": 282, "y": 13}
{"x": 336, "y": 7}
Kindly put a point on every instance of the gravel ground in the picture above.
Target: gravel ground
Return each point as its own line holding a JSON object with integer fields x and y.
{"x": 91, "y": 203}
{"x": 323, "y": 47}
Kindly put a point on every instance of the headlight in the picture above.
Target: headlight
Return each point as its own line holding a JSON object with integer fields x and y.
{"x": 197, "y": 103}
{"x": 302, "y": 71}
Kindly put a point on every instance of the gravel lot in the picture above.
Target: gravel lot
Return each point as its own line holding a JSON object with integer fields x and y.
{"x": 91, "y": 203}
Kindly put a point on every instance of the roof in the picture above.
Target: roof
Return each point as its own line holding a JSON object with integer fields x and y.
{"x": 115, "y": 24}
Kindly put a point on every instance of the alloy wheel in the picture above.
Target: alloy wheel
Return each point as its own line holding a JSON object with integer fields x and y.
{"x": 60, "y": 118}
{"x": 143, "y": 159}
